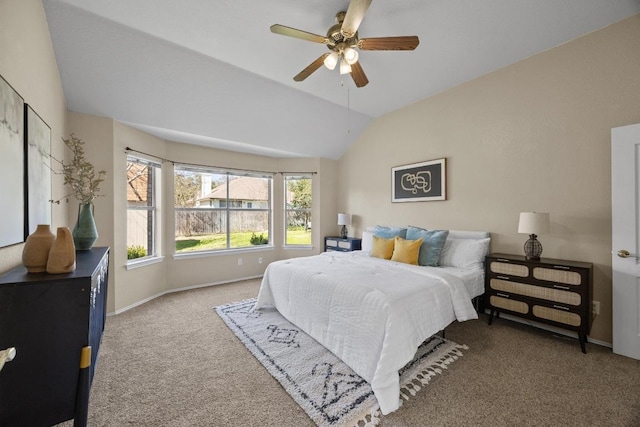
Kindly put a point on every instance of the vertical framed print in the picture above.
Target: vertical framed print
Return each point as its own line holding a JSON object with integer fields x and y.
{"x": 12, "y": 166}
{"x": 419, "y": 182}
{"x": 37, "y": 136}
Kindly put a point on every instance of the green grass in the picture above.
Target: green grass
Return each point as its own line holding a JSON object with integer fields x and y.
{"x": 238, "y": 240}
{"x": 298, "y": 237}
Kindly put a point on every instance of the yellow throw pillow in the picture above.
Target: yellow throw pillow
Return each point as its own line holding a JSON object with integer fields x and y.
{"x": 406, "y": 251}
{"x": 382, "y": 248}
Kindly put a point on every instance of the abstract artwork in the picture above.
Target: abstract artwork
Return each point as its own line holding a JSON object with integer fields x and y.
{"x": 12, "y": 164}
{"x": 419, "y": 182}
{"x": 38, "y": 142}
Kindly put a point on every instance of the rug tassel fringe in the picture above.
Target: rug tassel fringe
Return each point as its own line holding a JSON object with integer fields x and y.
{"x": 371, "y": 419}
{"x": 423, "y": 377}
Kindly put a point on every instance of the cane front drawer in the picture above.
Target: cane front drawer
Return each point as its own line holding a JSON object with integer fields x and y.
{"x": 556, "y": 292}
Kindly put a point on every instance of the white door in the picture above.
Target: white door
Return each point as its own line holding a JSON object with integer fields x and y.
{"x": 625, "y": 207}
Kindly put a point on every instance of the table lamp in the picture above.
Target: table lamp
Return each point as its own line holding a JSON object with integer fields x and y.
{"x": 344, "y": 220}
{"x": 533, "y": 223}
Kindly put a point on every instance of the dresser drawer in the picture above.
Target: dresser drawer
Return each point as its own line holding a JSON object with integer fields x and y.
{"x": 558, "y": 314}
{"x": 344, "y": 245}
{"x": 533, "y": 291}
{"x": 559, "y": 274}
{"x": 501, "y": 267}
{"x": 500, "y": 300}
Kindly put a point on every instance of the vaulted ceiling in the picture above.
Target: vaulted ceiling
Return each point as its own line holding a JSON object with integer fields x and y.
{"x": 210, "y": 72}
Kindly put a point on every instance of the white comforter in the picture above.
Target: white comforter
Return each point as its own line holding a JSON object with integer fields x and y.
{"x": 369, "y": 312}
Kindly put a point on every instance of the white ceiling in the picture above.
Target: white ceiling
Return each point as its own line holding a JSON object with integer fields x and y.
{"x": 210, "y": 72}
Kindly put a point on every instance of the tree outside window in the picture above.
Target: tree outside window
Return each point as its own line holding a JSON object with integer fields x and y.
{"x": 297, "y": 210}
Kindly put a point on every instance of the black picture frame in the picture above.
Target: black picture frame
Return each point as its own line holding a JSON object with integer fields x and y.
{"x": 419, "y": 182}
{"x": 37, "y": 140}
{"x": 12, "y": 166}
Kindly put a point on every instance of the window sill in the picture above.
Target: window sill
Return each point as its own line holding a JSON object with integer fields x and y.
{"x": 144, "y": 262}
{"x": 221, "y": 252}
{"x": 297, "y": 247}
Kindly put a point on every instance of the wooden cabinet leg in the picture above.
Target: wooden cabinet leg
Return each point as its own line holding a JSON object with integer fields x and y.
{"x": 583, "y": 341}
{"x": 491, "y": 316}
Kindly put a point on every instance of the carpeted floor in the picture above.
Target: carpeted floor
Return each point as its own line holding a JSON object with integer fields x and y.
{"x": 173, "y": 362}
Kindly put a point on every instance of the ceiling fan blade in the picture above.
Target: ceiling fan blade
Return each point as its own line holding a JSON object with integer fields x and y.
{"x": 389, "y": 43}
{"x": 354, "y": 16}
{"x": 358, "y": 75}
{"x": 310, "y": 68}
{"x": 299, "y": 34}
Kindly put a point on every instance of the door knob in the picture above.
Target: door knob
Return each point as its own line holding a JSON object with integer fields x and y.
{"x": 623, "y": 253}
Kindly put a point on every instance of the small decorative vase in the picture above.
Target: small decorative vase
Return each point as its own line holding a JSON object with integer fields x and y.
{"x": 36, "y": 249}
{"x": 62, "y": 256}
{"x": 85, "y": 233}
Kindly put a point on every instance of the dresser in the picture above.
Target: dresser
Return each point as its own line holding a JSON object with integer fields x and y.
{"x": 50, "y": 319}
{"x": 550, "y": 291}
{"x": 333, "y": 243}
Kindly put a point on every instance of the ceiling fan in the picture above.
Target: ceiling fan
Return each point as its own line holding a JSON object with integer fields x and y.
{"x": 343, "y": 42}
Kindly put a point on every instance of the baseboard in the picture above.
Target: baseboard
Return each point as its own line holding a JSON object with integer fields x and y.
{"x": 186, "y": 288}
{"x": 550, "y": 328}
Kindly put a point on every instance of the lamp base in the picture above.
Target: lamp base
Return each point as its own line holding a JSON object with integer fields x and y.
{"x": 532, "y": 248}
{"x": 343, "y": 232}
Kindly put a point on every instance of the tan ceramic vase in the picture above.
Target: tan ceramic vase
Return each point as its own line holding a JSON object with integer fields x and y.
{"x": 62, "y": 256}
{"x": 36, "y": 249}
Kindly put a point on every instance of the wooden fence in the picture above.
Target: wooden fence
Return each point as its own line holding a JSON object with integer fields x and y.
{"x": 198, "y": 222}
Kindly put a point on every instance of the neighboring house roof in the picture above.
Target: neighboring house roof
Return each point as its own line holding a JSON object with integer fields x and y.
{"x": 243, "y": 188}
{"x": 136, "y": 183}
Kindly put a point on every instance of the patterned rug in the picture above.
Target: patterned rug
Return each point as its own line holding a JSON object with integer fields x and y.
{"x": 327, "y": 389}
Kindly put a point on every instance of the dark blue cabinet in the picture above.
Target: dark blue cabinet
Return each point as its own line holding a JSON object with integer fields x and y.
{"x": 333, "y": 243}
{"x": 49, "y": 319}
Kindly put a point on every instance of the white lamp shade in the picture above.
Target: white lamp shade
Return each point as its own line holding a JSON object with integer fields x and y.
{"x": 345, "y": 68}
{"x": 331, "y": 60}
{"x": 534, "y": 223}
{"x": 350, "y": 55}
{"x": 344, "y": 219}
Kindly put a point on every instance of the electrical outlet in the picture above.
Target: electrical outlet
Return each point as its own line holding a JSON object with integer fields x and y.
{"x": 260, "y": 260}
{"x": 596, "y": 307}
{"x": 239, "y": 261}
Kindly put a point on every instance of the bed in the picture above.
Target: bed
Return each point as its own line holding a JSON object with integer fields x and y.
{"x": 374, "y": 313}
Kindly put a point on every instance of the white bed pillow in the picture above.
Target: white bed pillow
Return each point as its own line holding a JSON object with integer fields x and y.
{"x": 367, "y": 241}
{"x": 464, "y": 253}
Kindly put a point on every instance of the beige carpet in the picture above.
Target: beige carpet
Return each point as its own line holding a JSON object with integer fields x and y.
{"x": 173, "y": 362}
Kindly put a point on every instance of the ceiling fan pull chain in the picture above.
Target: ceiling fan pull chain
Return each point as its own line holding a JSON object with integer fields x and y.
{"x": 348, "y": 111}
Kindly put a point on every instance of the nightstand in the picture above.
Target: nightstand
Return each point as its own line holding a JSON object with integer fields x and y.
{"x": 336, "y": 243}
{"x": 552, "y": 291}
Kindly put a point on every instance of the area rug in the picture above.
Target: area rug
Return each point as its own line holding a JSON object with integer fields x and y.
{"x": 327, "y": 389}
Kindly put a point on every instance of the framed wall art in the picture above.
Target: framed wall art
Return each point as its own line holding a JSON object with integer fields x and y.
{"x": 12, "y": 166}
{"x": 419, "y": 182}
{"x": 37, "y": 136}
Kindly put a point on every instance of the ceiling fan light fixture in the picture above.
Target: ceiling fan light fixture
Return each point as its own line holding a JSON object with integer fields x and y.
{"x": 345, "y": 67}
{"x": 331, "y": 60}
{"x": 350, "y": 55}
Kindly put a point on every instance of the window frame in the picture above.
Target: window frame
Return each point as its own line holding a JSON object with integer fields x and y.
{"x": 286, "y": 209}
{"x": 154, "y": 245}
{"x": 227, "y": 207}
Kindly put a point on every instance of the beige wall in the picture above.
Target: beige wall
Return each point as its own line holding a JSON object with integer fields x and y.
{"x": 107, "y": 141}
{"x": 534, "y": 136}
{"x": 28, "y": 63}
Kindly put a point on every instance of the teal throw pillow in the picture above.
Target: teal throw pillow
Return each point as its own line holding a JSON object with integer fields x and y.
{"x": 390, "y": 232}
{"x": 432, "y": 243}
